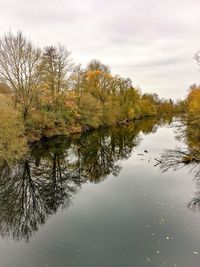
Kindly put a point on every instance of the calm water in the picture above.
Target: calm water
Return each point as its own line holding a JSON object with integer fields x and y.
{"x": 99, "y": 201}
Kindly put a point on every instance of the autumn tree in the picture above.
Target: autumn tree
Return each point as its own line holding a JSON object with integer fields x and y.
{"x": 77, "y": 81}
{"x": 54, "y": 66}
{"x": 193, "y": 100}
{"x": 98, "y": 80}
{"x": 55, "y": 97}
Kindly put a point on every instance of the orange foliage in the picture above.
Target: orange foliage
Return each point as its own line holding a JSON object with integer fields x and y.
{"x": 194, "y": 100}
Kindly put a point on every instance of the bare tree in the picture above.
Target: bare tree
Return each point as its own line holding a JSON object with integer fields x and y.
{"x": 197, "y": 57}
{"x": 18, "y": 61}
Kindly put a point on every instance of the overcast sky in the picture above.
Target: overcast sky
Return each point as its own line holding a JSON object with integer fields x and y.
{"x": 151, "y": 41}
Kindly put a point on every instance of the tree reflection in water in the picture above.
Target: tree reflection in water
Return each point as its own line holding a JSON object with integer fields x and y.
{"x": 46, "y": 180}
{"x": 187, "y": 157}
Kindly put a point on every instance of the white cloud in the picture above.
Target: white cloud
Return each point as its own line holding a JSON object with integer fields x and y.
{"x": 152, "y": 42}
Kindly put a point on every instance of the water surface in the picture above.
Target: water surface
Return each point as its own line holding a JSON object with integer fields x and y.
{"x": 99, "y": 200}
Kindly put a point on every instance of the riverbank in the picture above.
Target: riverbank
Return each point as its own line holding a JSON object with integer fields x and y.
{"x": 74, "y": 130}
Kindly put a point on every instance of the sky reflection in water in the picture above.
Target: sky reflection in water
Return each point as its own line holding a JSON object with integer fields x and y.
{"x": 98, "y": 200}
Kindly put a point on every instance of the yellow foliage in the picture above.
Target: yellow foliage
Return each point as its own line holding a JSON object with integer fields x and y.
{"x": 13, "y": 144}
{"x": 90, "y": 111}
{"x": 194, "y": 100}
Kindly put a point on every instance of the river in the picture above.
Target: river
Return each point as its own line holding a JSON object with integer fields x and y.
{"x": 100, "y": 199}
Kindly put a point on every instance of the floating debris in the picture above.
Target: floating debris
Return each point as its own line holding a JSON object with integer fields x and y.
{"x": 148, "y": 259}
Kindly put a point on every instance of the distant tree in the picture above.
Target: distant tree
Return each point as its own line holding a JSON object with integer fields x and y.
{"x": 96, "y": 65}
{"x": 193, "y": 100}
{"x": 197, "y": 57}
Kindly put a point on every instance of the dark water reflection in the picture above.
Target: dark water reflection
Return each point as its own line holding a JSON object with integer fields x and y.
{"x": 45, "y": 180}
{"x": 186, "y": 157}
{"x": 139, "y": 218}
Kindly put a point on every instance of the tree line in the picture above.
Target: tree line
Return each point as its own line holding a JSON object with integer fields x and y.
{"x": 43, "y": 93}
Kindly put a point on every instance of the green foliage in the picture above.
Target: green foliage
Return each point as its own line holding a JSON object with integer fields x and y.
{"x": 51, "y": 118}
{"x": 90, "y": 111}
{"x": 111, "y": 111}
{"x": 129, "y": 103}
